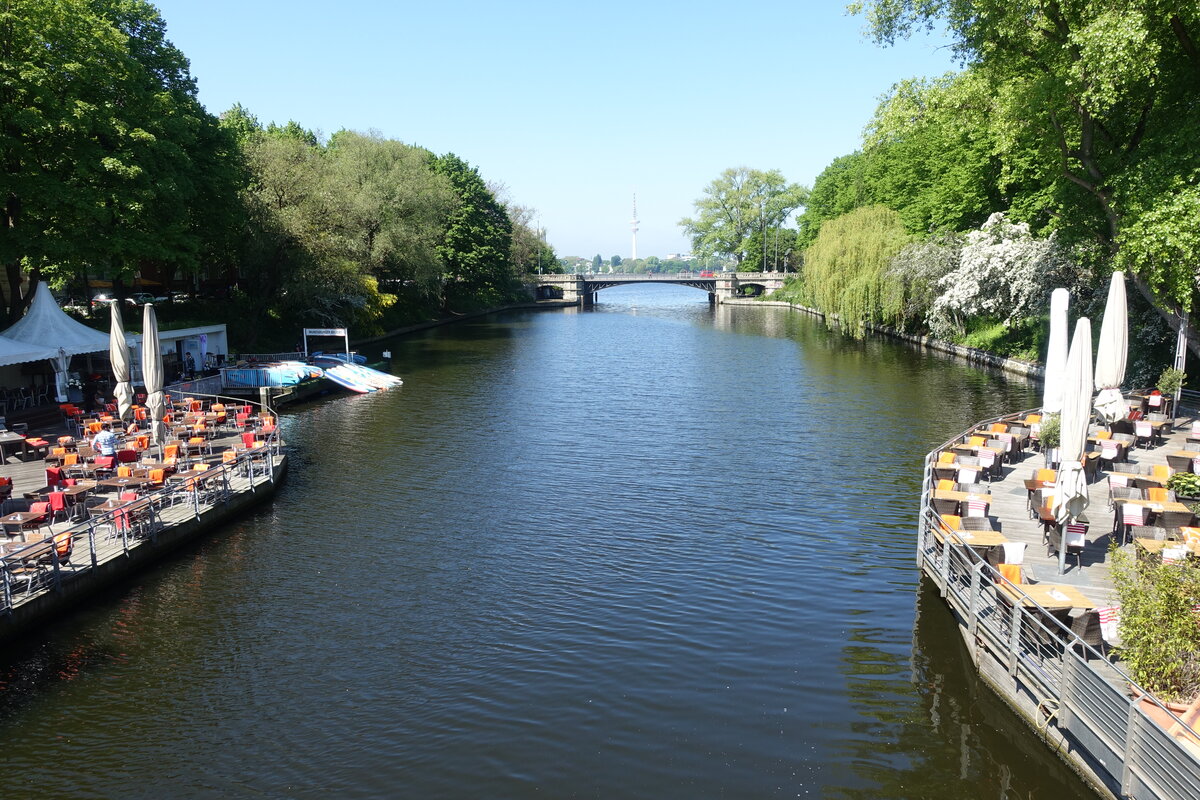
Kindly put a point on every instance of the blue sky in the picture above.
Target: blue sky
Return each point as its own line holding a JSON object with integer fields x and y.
{"x": 572, "y": 107}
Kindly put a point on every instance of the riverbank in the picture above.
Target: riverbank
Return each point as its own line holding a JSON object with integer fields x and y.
{"x": 971, "y": 355}
{"x": 538, "y": 305}
{"x": 1039, "y": 643}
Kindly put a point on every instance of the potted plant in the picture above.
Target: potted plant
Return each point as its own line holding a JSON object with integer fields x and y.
{"x": 1186, "y": 486}
{"x": 1160, "y": 640}
{"x": 1170, "y": 381}
{"x": 1050, "y": 437}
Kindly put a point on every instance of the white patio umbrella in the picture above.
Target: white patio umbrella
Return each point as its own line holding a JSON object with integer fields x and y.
{"x": 118, "y": 356}
{"x": 1111, "y": 352}
{"x": 61, "y": 363}
{"x": 152, "y": 374}
{"x": 1071, "y": 488}
{"x": 1056, "y": 353}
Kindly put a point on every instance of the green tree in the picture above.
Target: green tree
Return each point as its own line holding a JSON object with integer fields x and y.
{"x": 597, "y": 263}
{"x": 735, "y": 205}
{"x": 477, "y": 245}
{"x": 615, "y": 261}
{"x": 1093, "y": 101}
{"x": 845, "y": 270}
{"x": 110, "y": 160}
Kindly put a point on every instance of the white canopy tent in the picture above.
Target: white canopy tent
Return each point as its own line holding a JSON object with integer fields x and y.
{"x": 46, "y": 327}
{"x": 19, "y": 352}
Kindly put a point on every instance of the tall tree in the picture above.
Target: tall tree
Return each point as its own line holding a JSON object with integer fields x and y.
{"x": 735, "y": 205}
{"x": 476, "y": 247}
{"x": 1094, "y": 98}
{"x": 106, "y": 151}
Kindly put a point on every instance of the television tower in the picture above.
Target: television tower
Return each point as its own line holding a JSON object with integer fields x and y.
{"x": 634, "y": 224}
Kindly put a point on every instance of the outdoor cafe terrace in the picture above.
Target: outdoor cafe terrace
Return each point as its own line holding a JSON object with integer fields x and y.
{"x": 66, "y": 508}
{"x": 991, "y": 493}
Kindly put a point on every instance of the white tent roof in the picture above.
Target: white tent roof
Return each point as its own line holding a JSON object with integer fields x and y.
{"x": 46, "y": 326}
{"x": 18, "y": 352}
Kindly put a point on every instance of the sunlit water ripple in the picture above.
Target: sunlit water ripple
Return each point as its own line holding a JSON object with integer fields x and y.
{"x": 652, "y": 550}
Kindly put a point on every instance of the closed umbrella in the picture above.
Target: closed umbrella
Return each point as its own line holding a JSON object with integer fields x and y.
{"x": 1111, "y": 352}
{"x": 61, "y": 364}
{"x": 118, "y": 355}
{"x": 1071, "y": 489}
{"x": 1056, "y": 353}
{"x": 152, "y": 374}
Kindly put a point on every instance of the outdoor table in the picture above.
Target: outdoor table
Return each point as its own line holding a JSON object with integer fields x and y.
{"x": 1156, "y": 506}
{"x": 14, "y": 523}
{"x": 956, "y": 495}
{"x": 1136, "y": 476}
{"x": 1155, "y": 547}
{"x": 8, "y": 438}
{"x": 117, "y": 505}
{"x": 973, "y": 539}
{"x": 1047, "y": 595}
{"x": 123, "y": 483}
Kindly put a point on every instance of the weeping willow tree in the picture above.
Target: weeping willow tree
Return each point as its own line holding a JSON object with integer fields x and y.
{"x": 846, "y": 268}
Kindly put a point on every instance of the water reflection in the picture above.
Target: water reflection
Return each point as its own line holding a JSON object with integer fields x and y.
{"x": 597, "y": 553}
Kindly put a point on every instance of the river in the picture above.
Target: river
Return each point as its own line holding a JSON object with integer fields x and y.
{"x": 654, "y": 549}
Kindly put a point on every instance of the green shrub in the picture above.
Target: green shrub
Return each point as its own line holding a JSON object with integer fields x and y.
{"x": 1160, "y": 637}
{"x": 1186, "y": 484}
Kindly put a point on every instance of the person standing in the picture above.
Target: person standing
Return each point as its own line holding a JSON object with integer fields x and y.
{"x": 105, "y": 441}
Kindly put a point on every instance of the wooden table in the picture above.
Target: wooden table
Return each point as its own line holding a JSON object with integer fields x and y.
{"x": 1156, "y": 546}
{"x": 961, "y": 497}
{"x": 9, "y": 437}
{"x": 15, "y": 522}
{"x": 1156, "y": 506}
{"x": 979, "y": 538}
{"x": 1135, "y": 476}
{"x": 123, "y": 483}
{"x": 1047, "y": 595}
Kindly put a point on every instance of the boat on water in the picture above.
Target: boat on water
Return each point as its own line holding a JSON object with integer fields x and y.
{"x": 274, "y": 373}
{"x": 358, "y": 378}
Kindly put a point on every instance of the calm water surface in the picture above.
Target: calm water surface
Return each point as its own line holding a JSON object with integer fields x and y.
{"x": 650, "y": 550}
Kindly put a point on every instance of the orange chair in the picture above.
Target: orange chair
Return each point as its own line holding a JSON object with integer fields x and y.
{"x": 1011, "y": 573}
{"x": 1046, "y": 475}
{"x": 157, "y": 477}
{"x": 946, "y": 458}
{"x": 70, "y": 459}
{"x": 1156, "y": 494}
{"x": 952, "y": 522}
{"x": 946, "y": 483}
{"x": 171, "y": 451}
{"x": 124, "y": 472}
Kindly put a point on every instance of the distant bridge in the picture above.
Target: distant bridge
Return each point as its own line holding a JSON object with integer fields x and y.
{"x": 582, "y": 288}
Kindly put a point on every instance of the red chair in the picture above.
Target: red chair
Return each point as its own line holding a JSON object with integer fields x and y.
{"x": 248, "y": 439}
{"x": 54, "y": 476}
{"x": 58, "y": 505}
{"x": 127, "y": 456}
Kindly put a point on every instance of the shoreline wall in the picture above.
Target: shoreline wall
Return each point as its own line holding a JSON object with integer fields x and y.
{"x": 1015, "y": 366}
{"x": 437, "y": 323}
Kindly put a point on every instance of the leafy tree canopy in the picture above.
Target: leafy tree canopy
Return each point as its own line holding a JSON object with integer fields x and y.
{"x": 738, "y": 203}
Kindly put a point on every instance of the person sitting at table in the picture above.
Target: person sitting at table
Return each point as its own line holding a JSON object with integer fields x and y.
{"x": 105, "y": 441}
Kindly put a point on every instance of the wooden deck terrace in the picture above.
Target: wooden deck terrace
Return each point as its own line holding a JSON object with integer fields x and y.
{"x": 1010, "y": 514}
{"x": 1023, "y": 640}
{"x": 106, "y": 544}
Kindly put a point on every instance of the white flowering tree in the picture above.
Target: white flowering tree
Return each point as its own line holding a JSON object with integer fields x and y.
{"x": 1002, "y": 274}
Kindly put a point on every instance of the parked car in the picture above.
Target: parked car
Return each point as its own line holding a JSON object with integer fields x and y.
{"x": 141, "y": 298}
{"x": 103, "y": 298}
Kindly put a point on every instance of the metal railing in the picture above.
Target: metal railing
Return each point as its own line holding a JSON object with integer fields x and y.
{"x": 1050, "y": 662}
{"x": 37, "y": 569}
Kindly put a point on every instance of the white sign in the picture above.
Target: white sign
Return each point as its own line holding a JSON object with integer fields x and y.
{"x": 324, "y": 331}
